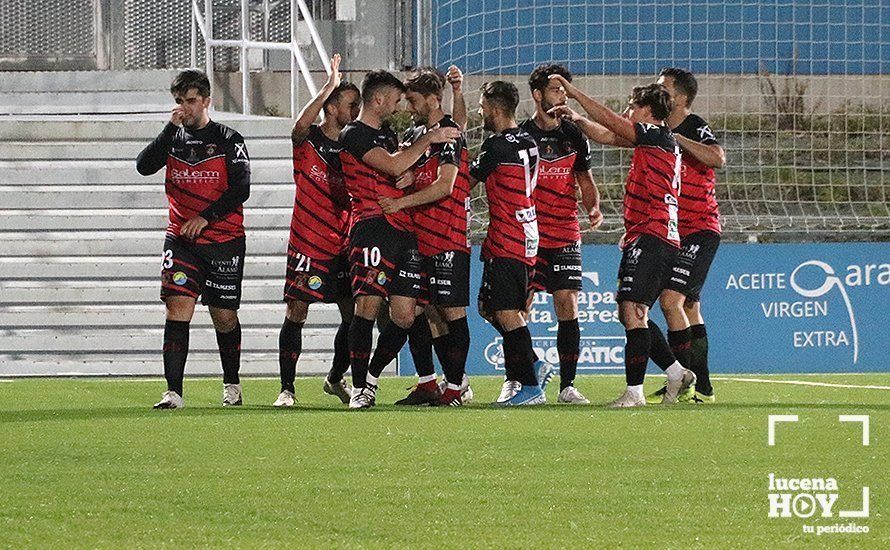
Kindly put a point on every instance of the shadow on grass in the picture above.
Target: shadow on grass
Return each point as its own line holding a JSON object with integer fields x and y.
{"x": 100, "y": 413}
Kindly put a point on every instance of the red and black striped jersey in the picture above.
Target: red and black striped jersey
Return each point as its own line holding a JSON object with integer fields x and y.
{"x": 320, "y": 224}
{"x": 650, "y": 194}
{"x": 563, "y": 151}
{"x": 698, "y": 197}
{"x": 365, "y": 184}
{"x": 508, "y": 164}
{"x": 441, "y": 226}
{"x": 208, "y": 175}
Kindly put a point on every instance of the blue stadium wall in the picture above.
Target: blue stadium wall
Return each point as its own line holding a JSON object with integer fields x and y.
{"x": 810, "y": 37}
{"x": 769, "y": 308}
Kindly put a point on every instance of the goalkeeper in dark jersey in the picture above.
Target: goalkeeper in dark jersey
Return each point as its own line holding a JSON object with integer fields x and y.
{"x": 208, "y": 180}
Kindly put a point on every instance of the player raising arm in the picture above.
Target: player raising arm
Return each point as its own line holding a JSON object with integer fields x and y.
{"x": 317, "y": 259}
{"x": 652, "y": 239}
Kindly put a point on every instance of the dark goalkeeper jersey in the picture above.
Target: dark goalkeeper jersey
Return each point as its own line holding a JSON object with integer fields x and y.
{"x": 208, "y": 175}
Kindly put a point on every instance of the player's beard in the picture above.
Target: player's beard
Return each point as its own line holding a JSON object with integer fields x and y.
{"x": 488, "y": 123}
{"x": 546, "y": 105}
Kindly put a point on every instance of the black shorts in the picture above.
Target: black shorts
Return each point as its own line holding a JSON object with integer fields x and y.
{"x": 314, "y": 280}
{"x": 448, "y": 278}
{"x": 689, "y": 270}
{"x": 558, "y": 269}
{"x": 212, "y": 271}
{"x": 506, "y": 283}
{"x": 383, "y": 261}
{"x": 644, "y": 269}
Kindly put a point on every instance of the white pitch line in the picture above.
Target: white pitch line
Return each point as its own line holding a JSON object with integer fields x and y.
{"x": 802, "y": 383}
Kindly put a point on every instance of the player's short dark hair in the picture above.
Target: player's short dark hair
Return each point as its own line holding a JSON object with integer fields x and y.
{"x": 188, "y": 79}
{"x": 540, "y": 77}
{"x": 654, "y": 96}
{"x": 338, "y": 91}
{"x": 503, "y": 94}
{"x": 376, "y": 80}
{"x": 684, "y": 82}
{"x": 426, "y": 81}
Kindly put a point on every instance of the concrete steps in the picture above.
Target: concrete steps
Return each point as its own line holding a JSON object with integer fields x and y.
{"x": 82, "y": 233}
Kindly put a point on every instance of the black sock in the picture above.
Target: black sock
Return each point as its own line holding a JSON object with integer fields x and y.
{"x": 230, "y": 353}
{"x": 441, "y": 345}
{"x": 509, "y": 369}
{"x": 700, "y": 359}
{"x": 636, "y": 355}
{"x": 568, "y": 344}
{"x": 390, "y": 341}
{"x": 360, "y": 349}
{"x": 290, "y": 345}
{"x": 681, "y": 346}
{"x": 341, "y": 353}
{"x": 458, "y": 349}
{"x": 659, "y": 350}
{"x": 176, "y": 349}
{"x": 518, "y": 354}
{"x": 420, "y": 341}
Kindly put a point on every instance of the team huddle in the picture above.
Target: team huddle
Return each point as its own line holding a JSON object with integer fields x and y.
{"x": 380, "y": 227}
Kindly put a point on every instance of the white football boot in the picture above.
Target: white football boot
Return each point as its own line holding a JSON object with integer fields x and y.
{"x": 675, "y": 387}
{"x": 628, "y": 399}
{"x": 232, "y": 395}
{"x": 285, "y": 399}
{"x": 508, "y": 390}
{"x": 572, "y": 396}
{"x": 170, "y": 400}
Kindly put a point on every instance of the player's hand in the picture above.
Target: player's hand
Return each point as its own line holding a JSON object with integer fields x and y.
{"x": 334, "y": 78}
{"x": 621, "y": 241}
{"x": 571, "y": 91}
{"x": 177, "y": 114}
{"x": 456, "y": 78}
{"x": 405, "y": 180}
{"x": 595, "y": 217}
{"x": 192, "y": 228}
{"x": 389, "y": 206}
{"x": 564, "y": 111}
{"x": 442, "y": 135}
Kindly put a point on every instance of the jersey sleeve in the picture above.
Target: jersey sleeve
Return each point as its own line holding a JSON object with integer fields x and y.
{"x": 357, "y": 142}
{"x": 154, "y": 156}
{"x": 485, "y": 162}
{"x": 703, "y": 132}
{"x": 583, "y": 157}
{"x": 238, "y": 171}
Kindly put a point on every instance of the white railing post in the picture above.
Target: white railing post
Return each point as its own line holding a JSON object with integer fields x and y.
{"x": 316, "y": 39}
{"x": 208, "y": 43}
{"x": 204, "y": 26}
{"x": 245, "y": 67}
{"x": 193, "y": 49}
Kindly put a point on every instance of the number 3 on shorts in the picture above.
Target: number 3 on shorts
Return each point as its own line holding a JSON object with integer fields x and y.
{"x": 167, "y": 262}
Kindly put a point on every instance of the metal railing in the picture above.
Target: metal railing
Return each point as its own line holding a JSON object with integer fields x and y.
{"x": 203, "y": 23}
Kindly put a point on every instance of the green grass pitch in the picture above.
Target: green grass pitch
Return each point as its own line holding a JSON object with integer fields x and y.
{"x": 87, "y": 463}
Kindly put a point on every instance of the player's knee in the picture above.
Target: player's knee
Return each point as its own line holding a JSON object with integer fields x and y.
{"x": 633, "y": 315}
{"x": 565, "y": 302}
{"x": 179, "y": 308}
{"x": 224, "y": 320}
{"x": 671, "y": 301}
{"x": 402, "y": 318}
{"x": 297, "y": 311}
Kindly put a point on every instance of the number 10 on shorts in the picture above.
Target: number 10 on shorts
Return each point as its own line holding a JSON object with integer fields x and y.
{"x": 372, "y": 256}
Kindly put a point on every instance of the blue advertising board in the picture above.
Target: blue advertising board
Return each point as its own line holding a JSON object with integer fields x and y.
{"x": 768, "y": 308}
